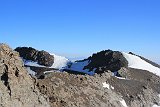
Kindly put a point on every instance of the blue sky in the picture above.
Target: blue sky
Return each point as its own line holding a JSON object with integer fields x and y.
{"x": 80, "y": 27}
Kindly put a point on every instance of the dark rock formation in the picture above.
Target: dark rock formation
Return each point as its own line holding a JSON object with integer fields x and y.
{"x": 106, "y": 60}
{"x": 42, "y": 57}
{"x": 17, "y": 88}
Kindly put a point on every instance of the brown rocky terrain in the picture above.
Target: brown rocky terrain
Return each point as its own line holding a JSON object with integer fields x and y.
{"x": 69, "y": 90}
{"x": 17, "y": 88}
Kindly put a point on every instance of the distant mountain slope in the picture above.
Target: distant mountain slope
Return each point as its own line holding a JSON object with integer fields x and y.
{"x": 97, "y": 63}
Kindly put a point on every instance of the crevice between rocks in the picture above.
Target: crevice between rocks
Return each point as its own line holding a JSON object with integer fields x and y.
{"x": 4, "y": 78}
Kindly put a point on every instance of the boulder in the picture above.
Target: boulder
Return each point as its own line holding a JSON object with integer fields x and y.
{"x": 107, "y": 60}
{"x": 41, "y": 57}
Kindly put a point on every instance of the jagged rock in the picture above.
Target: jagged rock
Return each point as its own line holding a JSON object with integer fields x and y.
{"x": 106, "y": 60}
{"x": 42, "y": 57}
{"x": 17, "y": 88}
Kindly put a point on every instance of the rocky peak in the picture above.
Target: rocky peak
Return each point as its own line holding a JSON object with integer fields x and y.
{"x": 107, "y": 60}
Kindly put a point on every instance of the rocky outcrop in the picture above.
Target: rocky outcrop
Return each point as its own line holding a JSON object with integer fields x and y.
{"x": 17, "y": 88}
{"x": 106, "y": 60}
{"x": 41, "y": 57}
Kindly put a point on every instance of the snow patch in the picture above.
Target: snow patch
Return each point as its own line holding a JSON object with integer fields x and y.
{"x": 123, "y": 103}
{"x": 138, "y": 63}
{"x": 112, "y": 87}
{"x": 105, "y": 85}
{"x": 48, "y": 71}
{"x": 159, "y": 102}
{"x": 155, "y": 106}
{"x": 121, "y": 78}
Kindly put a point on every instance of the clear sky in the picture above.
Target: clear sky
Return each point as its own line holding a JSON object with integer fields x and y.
{"x": 81, "y": 27}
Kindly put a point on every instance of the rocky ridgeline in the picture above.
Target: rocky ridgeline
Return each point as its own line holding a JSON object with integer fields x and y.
{"x": 17, "y": 88}
{"x": 41, "y": 57}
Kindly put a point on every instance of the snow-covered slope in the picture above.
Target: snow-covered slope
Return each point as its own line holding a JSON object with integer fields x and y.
{"x": 64, "y": 63}
{"x": 59, "y": 62}
{"x": 138, "y": 63}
